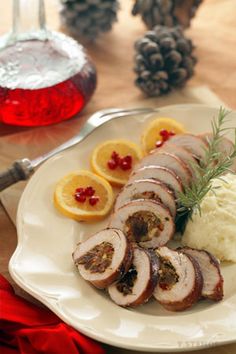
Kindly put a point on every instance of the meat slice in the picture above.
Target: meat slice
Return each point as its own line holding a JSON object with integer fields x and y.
{"x": 162, "y": 174}
{"x": 170, "y": 161}
{"x": 147, "y": 189}
{"x": 212, "y": 278}
{"x": 180, "y": 282}
{"x": 146, "y": 222}
{"x": 104, "y": 257}
{"x": 192, "y": 143}
{"x": 225, "y": 147}
{"x": 137, "y": 285}
{"x": 182, "y": 153}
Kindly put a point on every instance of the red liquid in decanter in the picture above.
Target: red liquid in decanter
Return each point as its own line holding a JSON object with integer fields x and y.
{"x": 44, "y": 82}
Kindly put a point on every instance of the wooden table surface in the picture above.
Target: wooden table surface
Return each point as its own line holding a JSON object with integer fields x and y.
{"x": 214, "y": 34}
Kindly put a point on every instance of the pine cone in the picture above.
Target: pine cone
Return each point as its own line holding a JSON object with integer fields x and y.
{"x": 166, "y": 12}
{"x": 163, "y": 60}
{"x": 88, "y": 18}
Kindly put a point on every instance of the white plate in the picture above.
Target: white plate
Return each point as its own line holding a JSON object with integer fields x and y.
{"x": 42, "y": 263}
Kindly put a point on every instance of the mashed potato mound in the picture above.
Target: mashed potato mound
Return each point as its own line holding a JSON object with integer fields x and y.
{"x": 215, "y": 229}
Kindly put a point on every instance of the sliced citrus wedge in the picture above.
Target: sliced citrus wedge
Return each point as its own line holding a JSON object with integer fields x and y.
{"x": 151, "y": 134}
{"x": 83, "y": 196}
{"x": 115, "y": 159}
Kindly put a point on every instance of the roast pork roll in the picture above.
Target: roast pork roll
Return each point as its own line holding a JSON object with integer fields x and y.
{"x": 212, "y": 278}
{"x": 104, "y": 257}
{"x": 192, "y": 143}
{"x": 147, "y": 189}
{"x": 180, "y": 283}
{"x": 168, "y": 160}
{"x": 162, "y": 174}
{"x": 146, "y": 222}
{"x": 137, "y": 285}
{"x": 180, "y": 152}
{"x": 225, "y": 147}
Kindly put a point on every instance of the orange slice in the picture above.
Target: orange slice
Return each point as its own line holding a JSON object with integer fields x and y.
{"x": 66, "y": 203}
{"x": 152, "y": 133}
{"x": 102, "y": 155}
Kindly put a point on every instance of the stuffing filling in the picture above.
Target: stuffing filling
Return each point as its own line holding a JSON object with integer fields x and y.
{"x": 98, "y": 258}
{"x": 168, "y": 274}
{"x": 143, "y": 226}
{"x": 126, "y": 284}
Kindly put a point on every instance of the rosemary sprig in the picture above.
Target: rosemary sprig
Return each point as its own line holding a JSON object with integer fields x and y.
{"x": 206, "y": 170}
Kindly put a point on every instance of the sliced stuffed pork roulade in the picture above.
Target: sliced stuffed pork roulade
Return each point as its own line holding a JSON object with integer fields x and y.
{"x": 210, "y": 268}
{"x": 192, "y": 143}
{"x": 168, "y": 160}
{"x": 180, "y": 283}
{"x": 147, "y": 189}
{"x": 225, "y": 147}
{"x": 162, "y": 174}
{"x": 146, "y": 222}
{"x": 180, "y": 152}
{"x": 137, "y": 285}
{"x": 104, "y": 257}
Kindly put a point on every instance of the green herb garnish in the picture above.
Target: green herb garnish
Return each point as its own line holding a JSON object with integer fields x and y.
{"x": 212, "y": 166}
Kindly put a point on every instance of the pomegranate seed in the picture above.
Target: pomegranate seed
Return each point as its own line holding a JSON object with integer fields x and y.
{"x": 171, "y": 133}
{"x": 115, "y": 156}
{"x": 159, "y": 143}
{"x": 124, "y": 165}
{"x": 81, "y": 198}
{"x": 164, "y": 134}
{"x": 128, "y": 159}
{"x": 89, "y": 191}
{"x": 112, "y": 164}
{"x": 80, "y": 190}
{"x": 93, "y": 200}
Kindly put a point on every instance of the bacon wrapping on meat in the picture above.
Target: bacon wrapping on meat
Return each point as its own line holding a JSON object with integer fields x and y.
{"x": 180, "y": 283}
{"x": 210, "y": 268}
{"x": 104, "y": 257}
{"x": 147, "y": 189}
{"x": 145, "y": 222}
{"x": 137, "y": 285}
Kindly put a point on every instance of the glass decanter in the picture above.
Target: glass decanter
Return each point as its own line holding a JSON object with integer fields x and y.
{"x": 45, "y": 76}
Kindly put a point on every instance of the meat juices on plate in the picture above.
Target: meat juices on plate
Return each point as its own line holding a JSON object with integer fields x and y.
{"x": 180, "y": 283}
{"x": 210, "y": 268}
{"x": 145, "y": 222}
{"x": 104, "y": 257}
{"x": 137, "y": 285}
{"x": 147, "y": 189}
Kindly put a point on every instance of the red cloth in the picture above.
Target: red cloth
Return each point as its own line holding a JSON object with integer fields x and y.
{"x": 28, "y": 329}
